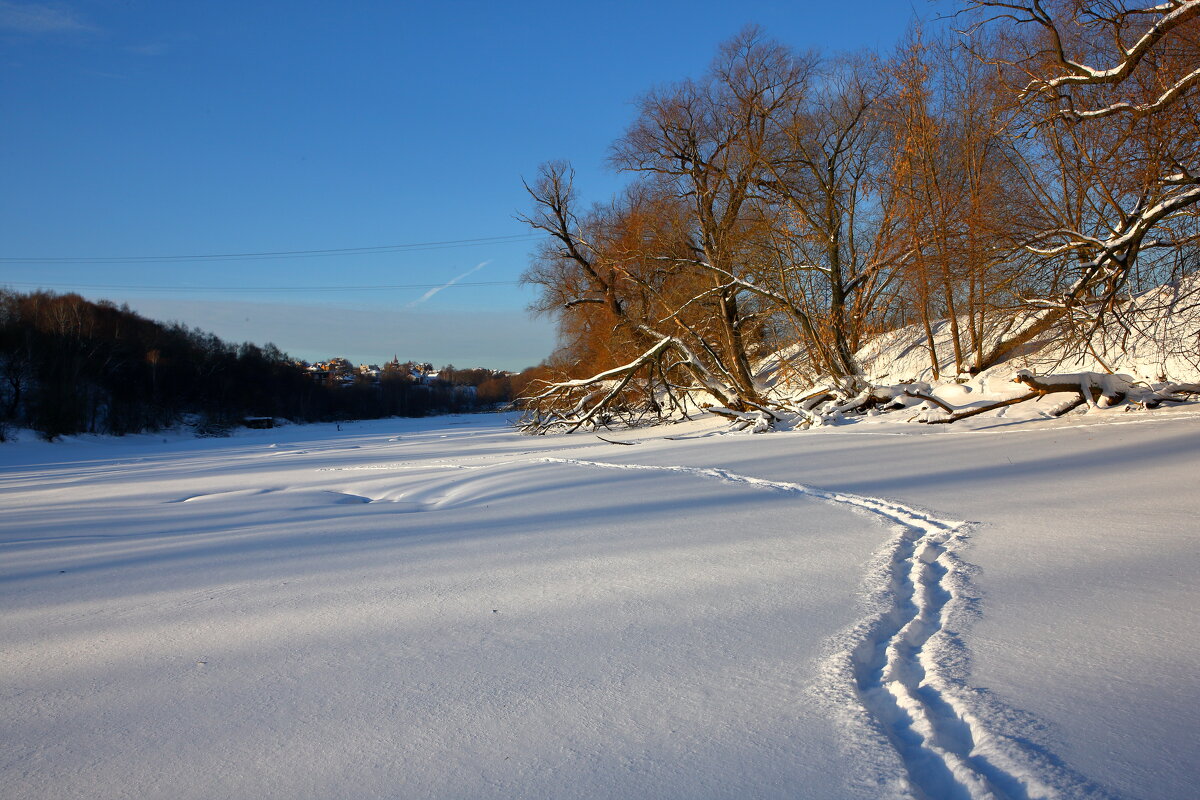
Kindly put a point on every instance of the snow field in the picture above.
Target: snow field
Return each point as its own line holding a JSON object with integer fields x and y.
{"x": 538, "y": 631}
{"x": 1082, "y": 553}
{"x": 442, "y": 608}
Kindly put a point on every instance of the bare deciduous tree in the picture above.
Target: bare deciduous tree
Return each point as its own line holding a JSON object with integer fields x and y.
{"x": 788, "y": 202}
{"x": 1107, "y": 95}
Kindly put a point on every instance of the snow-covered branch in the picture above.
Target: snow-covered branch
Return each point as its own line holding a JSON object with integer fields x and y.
{"x": 1173, "y": 93}
{"x": 1155, "y": 23}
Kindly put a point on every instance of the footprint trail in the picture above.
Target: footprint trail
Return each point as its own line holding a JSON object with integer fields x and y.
{"x": 895, "y": 658}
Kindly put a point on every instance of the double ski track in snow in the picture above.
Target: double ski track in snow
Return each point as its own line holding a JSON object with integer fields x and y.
{"x": 896, "y": 658}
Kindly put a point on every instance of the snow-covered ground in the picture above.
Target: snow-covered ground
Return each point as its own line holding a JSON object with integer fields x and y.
{"x": 444, "y": 608}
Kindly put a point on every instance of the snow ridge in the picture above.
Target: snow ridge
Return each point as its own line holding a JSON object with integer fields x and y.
{"x": 897, "y": 658}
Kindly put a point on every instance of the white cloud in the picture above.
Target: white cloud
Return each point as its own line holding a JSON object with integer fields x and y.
{"x": 35, "y": 18}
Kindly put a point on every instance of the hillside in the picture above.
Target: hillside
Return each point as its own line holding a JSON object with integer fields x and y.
{"x": 1149, "y": 360}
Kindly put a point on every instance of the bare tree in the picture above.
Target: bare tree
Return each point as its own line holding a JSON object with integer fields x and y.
{"x": 593, "y": 269}
{"x": 1107, "y": 94}
{"x": 834, "y": 235}
{"x": 784, "y": 201}
{"x": 674, "y": 261}
{"x": 958, "y": 196}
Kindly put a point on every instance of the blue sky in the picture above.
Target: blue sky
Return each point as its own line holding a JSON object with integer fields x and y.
{"x": 134, "y": 128}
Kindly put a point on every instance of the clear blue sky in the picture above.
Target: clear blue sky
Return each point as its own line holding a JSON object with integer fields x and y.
{"x": 171, "y": 128}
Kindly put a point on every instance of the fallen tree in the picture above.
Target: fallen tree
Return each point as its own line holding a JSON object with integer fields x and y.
{"x": 607, "y": 402}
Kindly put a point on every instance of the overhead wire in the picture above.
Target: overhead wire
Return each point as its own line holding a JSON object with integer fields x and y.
{"x": 337, "y": 288}
{"x": 276, "y": 254}
{"x": 262, "y": 255}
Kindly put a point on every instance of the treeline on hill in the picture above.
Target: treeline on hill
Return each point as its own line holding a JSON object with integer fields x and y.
{"x": 68, "y": 365}
{"x": 1022, "y": 177}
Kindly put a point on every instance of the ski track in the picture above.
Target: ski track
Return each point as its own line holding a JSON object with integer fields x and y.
{"x": 896, "y": 656}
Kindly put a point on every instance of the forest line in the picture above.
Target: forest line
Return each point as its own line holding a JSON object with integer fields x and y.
{"x": 69, "y": 365}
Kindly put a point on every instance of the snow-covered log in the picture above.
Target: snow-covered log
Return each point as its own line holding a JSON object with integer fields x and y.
{"x": 1170, "y": 393}
{"x": 1091, "y": 389}
{"x": 1097, "y": 389}
{"x": 758, "y": 421}
{"x": 1103, "y": 390}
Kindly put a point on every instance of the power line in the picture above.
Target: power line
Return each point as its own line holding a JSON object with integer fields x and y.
{"x": 339, "y": 288}
{"x": 343, "y": 251}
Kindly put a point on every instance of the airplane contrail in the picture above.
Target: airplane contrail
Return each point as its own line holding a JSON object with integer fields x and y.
{"x": 450, "y": 282}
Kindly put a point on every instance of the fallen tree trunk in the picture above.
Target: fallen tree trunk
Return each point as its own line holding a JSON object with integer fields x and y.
{"x": 1095, "y": 388}
{"x": 955, "y": 416}
{"x": 830, "y": 405}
